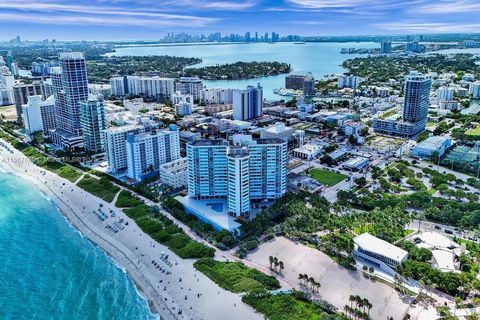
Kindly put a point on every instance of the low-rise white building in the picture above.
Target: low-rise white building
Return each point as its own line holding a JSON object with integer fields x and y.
{"x": 352, "y": 128}
{"x": 378, "y": 252}
{"x": 427, "y": 147}
{"x": 174, "y": 173}
{"x": 278, "y": 130}
{"x": 356, "y": 164}
{"x": 307, "y": 152}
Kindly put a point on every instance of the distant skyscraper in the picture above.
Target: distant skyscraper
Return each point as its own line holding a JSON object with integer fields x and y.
{"x": 248, "y": 103}
{"x": 92, "y": 119}
{"x": 385, "y": 47}
{"x": 73, "y": 90}
{"x": 306, "y": 83}
{"x": 9, "y": 61}
{"x": 414, "y": 46}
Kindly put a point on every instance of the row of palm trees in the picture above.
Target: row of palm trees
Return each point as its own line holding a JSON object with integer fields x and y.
{"x": 361, "y": 310}
{"x": 309, "y": 282}
{"x": 275, "y": 264}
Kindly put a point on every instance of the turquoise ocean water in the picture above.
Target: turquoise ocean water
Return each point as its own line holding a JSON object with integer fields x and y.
{"x": 48, "y": 270}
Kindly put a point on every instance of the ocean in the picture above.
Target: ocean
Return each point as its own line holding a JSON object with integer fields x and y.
{"x": 48, "y": 270}
{"x": 319, "y": 58}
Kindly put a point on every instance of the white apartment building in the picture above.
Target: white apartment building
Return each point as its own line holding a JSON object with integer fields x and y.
{"x": 474, "y": 89}
{"x": 174, "y": 173}
{"x": 349, "y": 81}
{"x": 115, "y": 145}
{"x": 445, "y": 93}
{"x": 183, "y": 109}
{"x": 117, "y": 85}
{"x": 147, "y": 151}
{"x": 38, "y": 115}
{"x": 190, "y": 85}
{"x": 149, "y": 87}
{"x": 217, "y": 96}
{"x": 178, "y": 97}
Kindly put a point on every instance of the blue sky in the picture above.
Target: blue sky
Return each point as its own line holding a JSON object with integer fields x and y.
{"x": 151, "y": 19}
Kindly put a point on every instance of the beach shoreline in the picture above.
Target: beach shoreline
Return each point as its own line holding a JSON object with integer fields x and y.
{"x": 177, "y": 292}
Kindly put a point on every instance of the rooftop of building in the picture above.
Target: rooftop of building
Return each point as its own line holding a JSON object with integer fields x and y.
{"x": 278, "y": 127}
{"x": 269, "y": 141}
{"x": 433, "y": 142}
{"x": 151, "y": 133}
{"x": 357, "y": 161}
{"x": 71, "y": 55}
{"x": 375, "y": 245}
{"x": 209, "y": 142}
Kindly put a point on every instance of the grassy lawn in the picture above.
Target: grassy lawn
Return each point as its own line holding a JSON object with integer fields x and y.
{"x": 287, "y": 307}
{"x": 431, "y": 124}
{"x": 127, "y": 200}
{"x": 101, "y": 188}
{"x": 164, "y": 231}
{"x": 62, "y": 169}
{"x": 326, "y": 177}
{"x": 235, "y": 276}
{"x": 473, "y": 132}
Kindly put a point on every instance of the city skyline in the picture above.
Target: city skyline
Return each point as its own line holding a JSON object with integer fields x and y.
{"x": 147, "y": 19}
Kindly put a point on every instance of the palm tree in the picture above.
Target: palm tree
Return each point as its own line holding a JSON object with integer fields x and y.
{"x": 318, "y": 286}
{"x": 280, "y": 264}
{"x": 300, "y": 277}
{"x": 275, "y": 262}
{"x": 367, "y": 305}
{"x": 312, "y": 281}
{"x": 351, "y": 299}
{"x": 270, "y": 260}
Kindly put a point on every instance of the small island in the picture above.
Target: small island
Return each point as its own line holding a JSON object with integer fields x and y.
{"x": 104, "y": 67}
{"x": 240, "y": 70}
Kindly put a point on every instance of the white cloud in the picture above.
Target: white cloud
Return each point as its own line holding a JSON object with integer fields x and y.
{"x": 225, "y": 5}
{"x": 450, "y": 6}
{"x": 47, "y": 12}
{"x": 432, "y": 27}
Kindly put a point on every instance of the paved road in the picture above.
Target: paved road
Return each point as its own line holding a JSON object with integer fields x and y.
{"x": 440, "y": 228}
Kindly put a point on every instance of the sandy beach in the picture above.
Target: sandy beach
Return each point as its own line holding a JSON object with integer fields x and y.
{"x": 173, "y": 287}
